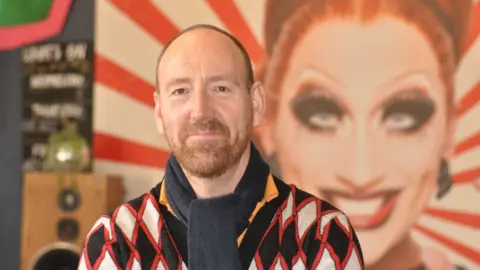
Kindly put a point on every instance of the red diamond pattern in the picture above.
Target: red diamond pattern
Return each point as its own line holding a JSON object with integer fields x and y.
{"x": 306, "y": 233}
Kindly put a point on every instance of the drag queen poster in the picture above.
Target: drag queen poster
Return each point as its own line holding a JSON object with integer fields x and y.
{"x": 372, "y": 105}
{"x": 364, "y": 111}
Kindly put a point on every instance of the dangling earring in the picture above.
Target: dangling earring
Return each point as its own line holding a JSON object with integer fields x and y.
{"x": 444, "y": 179}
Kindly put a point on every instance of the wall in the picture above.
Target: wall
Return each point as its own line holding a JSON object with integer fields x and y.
{"x": 10, "y": 158}
{"x": 130, "y": 35}
{"x": 79, "y": 26}
{"x": 126, "y": 140}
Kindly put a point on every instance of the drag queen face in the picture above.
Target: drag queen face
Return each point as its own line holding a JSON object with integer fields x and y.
{"x": 365, "y": 123}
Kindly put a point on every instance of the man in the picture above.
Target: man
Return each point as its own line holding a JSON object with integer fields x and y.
{"x": 218, "y": 207}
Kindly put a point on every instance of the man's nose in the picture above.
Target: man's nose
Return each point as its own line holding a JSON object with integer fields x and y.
{"x": 201, "y": 104}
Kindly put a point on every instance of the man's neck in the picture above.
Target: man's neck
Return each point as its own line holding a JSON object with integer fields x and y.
{"x": 223, "y": 185}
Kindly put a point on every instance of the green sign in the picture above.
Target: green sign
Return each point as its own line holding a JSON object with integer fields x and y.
{"x": 25, "y": 22}
{"x": 18, "y": 12}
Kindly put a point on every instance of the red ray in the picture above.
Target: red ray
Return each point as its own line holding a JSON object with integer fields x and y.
{"x": 119, "y": 79}
{"x": 233, "y": 20}
{"x": 452, "y": 244}
{"x": 116, "y": 149}
{"x": 469, "y": 100}
{"x": 467, "y": 219}
{"x": 469, "y": 143}
{"x": 475, "y": 27}
{"x": 467, "y": 176}
{"x": 146, "y": 14}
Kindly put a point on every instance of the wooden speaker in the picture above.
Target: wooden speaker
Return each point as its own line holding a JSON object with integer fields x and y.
{"x": 57, "y": 213}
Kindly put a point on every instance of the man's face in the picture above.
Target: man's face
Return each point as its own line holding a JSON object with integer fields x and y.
{"x": 204, "y": 105}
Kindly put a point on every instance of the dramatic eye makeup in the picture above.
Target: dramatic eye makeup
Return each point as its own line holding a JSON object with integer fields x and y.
{"x": 407, "y": 112}
{"x": 316, "y": 109}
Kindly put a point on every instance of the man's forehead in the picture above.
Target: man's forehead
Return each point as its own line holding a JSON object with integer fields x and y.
{"x": 200, "y": 39}
{"x": 197, "y": 53}
{"x": 199, "y": 61}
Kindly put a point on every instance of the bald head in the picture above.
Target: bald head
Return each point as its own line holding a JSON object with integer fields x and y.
{"x": 195, "y": 37}
{"x": 207, "y": 104}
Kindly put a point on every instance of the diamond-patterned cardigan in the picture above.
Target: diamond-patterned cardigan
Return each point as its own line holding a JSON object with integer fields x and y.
{"x": 293, "y": 231}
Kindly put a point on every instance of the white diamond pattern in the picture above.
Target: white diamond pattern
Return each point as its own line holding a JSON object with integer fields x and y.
{"x": 306, "y": 216}
{"x": 288, "y": 211}
{"x": 107, "y": 262}
{"x": 126, "y": 221}
{"x": 106, "y": 224}
{"x": 353, "y": 263}
{"x": 82, "y": 265}
{"x": 278, "y": 264}
{"x": 136, "y": 265}
{"x": 299, "y": 265}
{"x": 151, "y": 217}
{"x": 253, "y": 265}
{"x": 328, "y": 217}
{"x": 160, "y": 266}
{"x": 326, "y": 262}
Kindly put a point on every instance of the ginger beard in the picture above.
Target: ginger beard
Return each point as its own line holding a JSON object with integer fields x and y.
{"x": 212, "y": 157}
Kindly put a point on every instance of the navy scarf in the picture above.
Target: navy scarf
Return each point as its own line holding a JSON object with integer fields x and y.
{"x": 215, "y": 223}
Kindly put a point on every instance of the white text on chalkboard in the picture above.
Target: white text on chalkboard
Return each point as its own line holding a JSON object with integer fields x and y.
{"x": 64, "y": 110}
{"x": 56, "y": 80}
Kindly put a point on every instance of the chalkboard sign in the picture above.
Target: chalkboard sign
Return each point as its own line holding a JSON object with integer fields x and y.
{"x": 58, "y": 88}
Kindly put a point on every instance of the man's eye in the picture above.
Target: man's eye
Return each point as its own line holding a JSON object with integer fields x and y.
{"x": 179, "y": 91}
{"x": 221, "y": 89}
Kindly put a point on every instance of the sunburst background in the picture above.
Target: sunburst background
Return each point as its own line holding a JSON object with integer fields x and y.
{"x": 129, "y": 37}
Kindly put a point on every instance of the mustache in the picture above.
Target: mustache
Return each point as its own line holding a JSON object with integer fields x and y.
{"x": 205, "y": 125}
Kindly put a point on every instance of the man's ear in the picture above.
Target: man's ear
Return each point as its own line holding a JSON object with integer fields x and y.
{"x": 158, "y": 113}
{"x": 258, "y": 102}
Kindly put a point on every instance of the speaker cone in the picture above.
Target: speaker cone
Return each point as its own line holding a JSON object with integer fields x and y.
{"x": 69, "y": 200}
{"x": 58, "y": 256}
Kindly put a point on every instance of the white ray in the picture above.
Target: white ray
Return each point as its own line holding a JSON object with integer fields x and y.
{"x": 122, "y": 41}
{"x": 137, "y": 179}
{"x": 468, "y": 124}
{"x": 466, "y": 161}
{"x": 253, "y": 11}
{"x": 185, "y": 13}
{"x": 453, "y": 256}
{"x": 459, "y": 198}
{"x": 117, "y": 114}
{"x": 467, "y": 75}
{"x": 466, "y": 236}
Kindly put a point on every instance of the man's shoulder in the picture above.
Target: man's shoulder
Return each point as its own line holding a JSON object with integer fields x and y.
{"x": 321, "y": 231}
{"x": 125, "y": 217}
{"x": 301, "y": 199}
{"x": 307, "y": 208}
